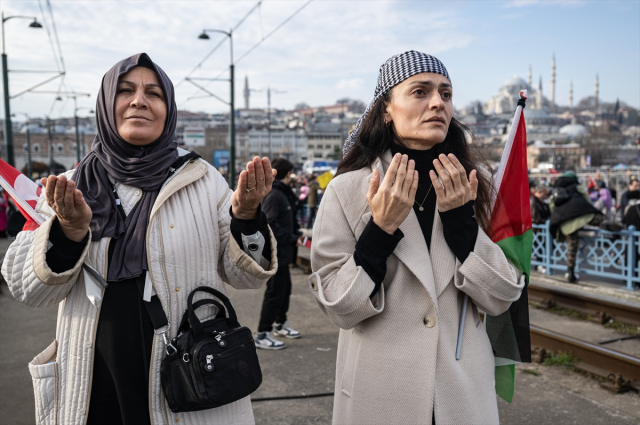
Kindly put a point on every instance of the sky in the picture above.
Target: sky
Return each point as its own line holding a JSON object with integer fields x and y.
{"x": 327, "y": 51}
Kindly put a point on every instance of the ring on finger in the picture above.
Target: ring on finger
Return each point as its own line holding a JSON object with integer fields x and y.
{"x": 249, "y": 189}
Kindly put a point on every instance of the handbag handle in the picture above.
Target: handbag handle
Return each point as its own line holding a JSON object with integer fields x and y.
{"x": 184, "y": 323}
{"x": 196, "y": 325}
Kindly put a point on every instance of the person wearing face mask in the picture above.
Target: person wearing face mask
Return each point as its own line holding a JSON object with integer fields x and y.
{"x": 401, "y": 235}
{"x": 153, "y": 221}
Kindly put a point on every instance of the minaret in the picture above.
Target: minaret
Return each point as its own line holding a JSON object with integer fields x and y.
{"x": 596, "y": 94}
{"x": 570, "y": 95}
{"x": 553, "y": 82}
{"x": 529, "y": 81}
{"x": 246, "y": 92}
{"x": 540, "y": 102}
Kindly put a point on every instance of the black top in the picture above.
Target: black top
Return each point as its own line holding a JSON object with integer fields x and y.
{"x": 460, "y": 227}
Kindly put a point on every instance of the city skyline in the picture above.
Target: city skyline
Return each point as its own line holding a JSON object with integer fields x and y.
{"x": 332, "y": 50}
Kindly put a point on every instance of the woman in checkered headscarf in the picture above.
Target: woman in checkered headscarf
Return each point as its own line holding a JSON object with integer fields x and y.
{"x": 400, "y": 236}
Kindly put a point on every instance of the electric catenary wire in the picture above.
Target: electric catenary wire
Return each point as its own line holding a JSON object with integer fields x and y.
{"x": 218, "y": 45}
{"x": 245, "y": 54}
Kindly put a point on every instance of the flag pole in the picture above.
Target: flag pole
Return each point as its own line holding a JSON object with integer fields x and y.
{"x": 494, "y": 193}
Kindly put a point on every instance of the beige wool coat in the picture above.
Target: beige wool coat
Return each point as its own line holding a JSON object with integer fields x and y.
{"x": 396, "y": 353}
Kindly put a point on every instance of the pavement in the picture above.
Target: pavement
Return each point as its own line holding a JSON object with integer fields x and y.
{"x": 306, "y": 367}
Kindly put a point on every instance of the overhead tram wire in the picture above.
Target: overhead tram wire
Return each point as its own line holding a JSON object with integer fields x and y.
{"x": 46, "y": 27}
{"x": 218, "y": 45}
{"x": 273, "y": 31}
{"x": 253, "y": 47}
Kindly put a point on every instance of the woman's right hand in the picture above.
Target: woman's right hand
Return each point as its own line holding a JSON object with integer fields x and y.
{"x": 69, "y": 205}
{"x": 392, "y": 200}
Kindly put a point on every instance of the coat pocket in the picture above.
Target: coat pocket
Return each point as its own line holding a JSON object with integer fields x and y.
{"x": 44, "y": 373}
{"x": 350, "y": 363}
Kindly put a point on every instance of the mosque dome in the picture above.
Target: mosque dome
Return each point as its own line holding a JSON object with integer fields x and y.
{"x": 517, "y": 83}
{"x": 573, "y": 130}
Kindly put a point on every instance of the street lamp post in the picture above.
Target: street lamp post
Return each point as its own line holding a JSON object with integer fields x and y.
{"x": 232, "y": 115}
{"x": 75, "y": 120}
{"x": 8, "y": 131}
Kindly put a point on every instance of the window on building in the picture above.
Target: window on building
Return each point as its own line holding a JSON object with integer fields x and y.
{"x": 311, "y": 146}
{"x": 73, "y": 148}
{"x": 328, "y": 147}
{"x": 25, "y": 148}
{"x": 317, "y": 155}
{"x": 36, "y": 148}
{"x": 60, "y": 148}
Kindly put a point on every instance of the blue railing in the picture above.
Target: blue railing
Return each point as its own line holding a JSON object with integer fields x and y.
{"x": 613, "y": 255}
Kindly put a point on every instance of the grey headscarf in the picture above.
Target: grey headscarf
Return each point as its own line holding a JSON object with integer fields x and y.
{"x": 144, "y": 167}
{"x": 394, "y": 71}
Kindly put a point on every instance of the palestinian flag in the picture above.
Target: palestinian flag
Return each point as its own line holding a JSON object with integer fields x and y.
{"x": 512, "y": 231}
{"x": 25, "y": 194}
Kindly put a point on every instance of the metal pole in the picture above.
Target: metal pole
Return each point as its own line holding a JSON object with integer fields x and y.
{"x": 269, "y": 121}
{"x": 77, "y": 138}
{"x": 232, "y": 135}
{"x": 29, "y": 169}
{"x": 50, "y": 136}
{"x": 8, "y": 130}
{"x": 83, "y": 146}
{"x": 630, "y": 258}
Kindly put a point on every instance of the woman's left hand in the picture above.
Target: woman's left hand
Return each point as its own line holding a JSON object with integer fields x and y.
{"x": 453, "y": 189}
{"x": 253, "y": 185}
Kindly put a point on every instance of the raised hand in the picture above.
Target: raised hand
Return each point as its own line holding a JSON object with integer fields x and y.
{"x": 453, "y": 189}
{"x": 69, "y": 205}
{"x": 253, "y": 185}
{"x": 392, "y": 200}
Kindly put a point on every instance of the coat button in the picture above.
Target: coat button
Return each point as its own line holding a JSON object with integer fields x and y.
{"x": 172, "y": 226}
{"x": 177, "y": 289}
{"x": 429, "y": 321}
{"x": 81, "y": 411}
{"x": 177, "y": 420}
{"x": 87, "y": 344}
{"x": 314, "y": 283}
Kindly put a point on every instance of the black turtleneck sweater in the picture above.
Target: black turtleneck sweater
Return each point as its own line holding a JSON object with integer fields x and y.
{"x": 460, "y": 228}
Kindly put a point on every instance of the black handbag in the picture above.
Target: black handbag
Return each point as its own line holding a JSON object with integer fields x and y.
{"x": 212, "y": 363}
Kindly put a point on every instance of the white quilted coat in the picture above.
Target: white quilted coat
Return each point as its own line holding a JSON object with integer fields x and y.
{"x": 188, "y": 245}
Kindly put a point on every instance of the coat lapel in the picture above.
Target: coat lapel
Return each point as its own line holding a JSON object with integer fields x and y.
{"x": 443, "y": 260}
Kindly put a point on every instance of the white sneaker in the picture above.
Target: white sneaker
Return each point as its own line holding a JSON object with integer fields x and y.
{"x": 283, "y": 329}
{"x": 265, "y": 341}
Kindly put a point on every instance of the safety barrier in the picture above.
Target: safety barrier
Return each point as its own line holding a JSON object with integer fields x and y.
{"x": 614, "y": 255}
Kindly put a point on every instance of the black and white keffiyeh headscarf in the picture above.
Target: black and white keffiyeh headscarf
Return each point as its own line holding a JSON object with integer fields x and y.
{"x": 394, "y": 71}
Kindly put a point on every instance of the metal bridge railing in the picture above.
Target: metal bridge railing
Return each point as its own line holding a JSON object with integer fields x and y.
{"x": 614, "y": 255}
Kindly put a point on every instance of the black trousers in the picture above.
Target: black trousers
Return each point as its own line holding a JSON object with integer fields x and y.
{"x": 276, "y": 299}
{"x": 120, "y": 386}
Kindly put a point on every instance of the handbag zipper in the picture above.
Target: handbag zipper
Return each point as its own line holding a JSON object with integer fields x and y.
{"x": 195, "y": 366}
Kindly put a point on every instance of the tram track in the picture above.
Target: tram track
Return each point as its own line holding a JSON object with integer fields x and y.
{"x": 621, "y": 370}
{"x": 601, "y": 308}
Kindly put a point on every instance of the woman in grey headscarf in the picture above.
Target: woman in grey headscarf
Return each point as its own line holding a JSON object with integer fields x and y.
{"x": 153, "y": 221}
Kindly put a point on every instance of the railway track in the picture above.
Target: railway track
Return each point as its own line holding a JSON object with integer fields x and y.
{"x": 601, "y": 308}
{"x": 622, "y": 371}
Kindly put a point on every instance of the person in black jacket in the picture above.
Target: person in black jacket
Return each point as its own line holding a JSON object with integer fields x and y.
{"x": 539, "y": 209}
{"x": 279, "y": 207}
{"x": 571, "y": 210}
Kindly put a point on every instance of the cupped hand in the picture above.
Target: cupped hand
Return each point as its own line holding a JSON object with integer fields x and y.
{"x": 391, "y": 201}
{"x": 453, "y": 189}
{"x": 253, "y": 185}
{"x": 69, "y": 205}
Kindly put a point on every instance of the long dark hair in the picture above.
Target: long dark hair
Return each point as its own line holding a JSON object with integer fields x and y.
{"x": 375, "y": 138}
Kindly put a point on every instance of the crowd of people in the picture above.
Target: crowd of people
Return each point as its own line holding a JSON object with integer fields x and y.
{"x": 570, "y": 205}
